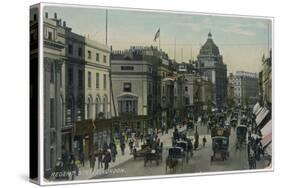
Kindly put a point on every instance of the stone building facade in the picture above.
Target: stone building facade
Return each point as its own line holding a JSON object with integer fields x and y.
{"x": 211, "y": 65}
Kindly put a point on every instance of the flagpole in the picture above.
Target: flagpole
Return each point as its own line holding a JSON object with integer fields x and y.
{"x": 159, "y": 39}
{"x": 106, "y": 22}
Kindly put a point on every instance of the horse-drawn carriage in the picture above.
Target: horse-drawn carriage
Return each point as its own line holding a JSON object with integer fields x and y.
{"x": 145, "y": 148}
{"x": 189, "y": 125}
{"x": 234, "y": 115}
{"x": 153, "y": 155}
{"x": 233, "y": 122}
{"x": 244, "y": 120}
{"x": 184, "y": 145}
{"x": 220, "y": 143}
{"x": 175, "y": 155}
{"x": 220, "y": 148}
{"x": 241, "y": 136}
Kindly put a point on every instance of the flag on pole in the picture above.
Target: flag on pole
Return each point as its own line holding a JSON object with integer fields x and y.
{"x": 157, "y": 35}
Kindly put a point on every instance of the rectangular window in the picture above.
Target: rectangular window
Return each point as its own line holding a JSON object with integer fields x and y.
{"x": 70, "y": 49}
{"x": 127, "y": 67}
{"x": 80, "y": 78}
{"x": 52, "y": 74}
{"x": 89, "y": 79}
{"x": 50, "y": 35}
{"x": 52, "y": 113}
{"x": 97, "y": 57}
{"x": 89, "y": 54}
{"x": 80, "y": 52}
{"x": 104, "y": 59}
{"x": 127, "y": 87}
{"x": 104, "y": 81}
{"x": 97, "y": 80}
{"x": 70, "y": 76}
{"x": 186, "y": 88}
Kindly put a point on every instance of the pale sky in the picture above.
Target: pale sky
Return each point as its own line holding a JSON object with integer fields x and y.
{"x": 241, "y": 41}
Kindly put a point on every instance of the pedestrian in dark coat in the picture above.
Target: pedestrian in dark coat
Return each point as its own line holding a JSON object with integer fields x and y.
{"x": 131, "y": 144}
{"x": 122, "y": 146}
{"x": 92, "y": 159}
{"x": 107, "y": 160}
{"x": 204, "y": 141}
{"x": 81, "y": 158}
{"x": 113, "y": 151}
{"x": 100, "y": 155}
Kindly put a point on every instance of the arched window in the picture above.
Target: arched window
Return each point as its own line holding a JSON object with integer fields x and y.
{"x": 97, "y": 106}
{"x": 89, "y": 110}
{"x": 104, "y": 108}
{"x": 70, "y": 112}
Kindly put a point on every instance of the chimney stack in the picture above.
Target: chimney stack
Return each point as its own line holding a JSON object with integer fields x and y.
{"x": 46, "y": 14}
{"x": 55, "y": 15}
{"x": 64, "y": 24}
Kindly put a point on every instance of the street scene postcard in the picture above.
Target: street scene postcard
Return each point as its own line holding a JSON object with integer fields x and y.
{"x": 133, "y": 93}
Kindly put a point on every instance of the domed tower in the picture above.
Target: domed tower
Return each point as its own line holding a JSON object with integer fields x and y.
{"x": 210, "y": 64}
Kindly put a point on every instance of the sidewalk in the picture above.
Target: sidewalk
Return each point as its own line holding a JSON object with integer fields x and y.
{"x": 86, "y": 172}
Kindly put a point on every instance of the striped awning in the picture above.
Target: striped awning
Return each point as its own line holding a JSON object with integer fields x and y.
{"x": 266, "y": 139}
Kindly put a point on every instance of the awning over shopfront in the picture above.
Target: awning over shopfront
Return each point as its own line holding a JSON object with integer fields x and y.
{"x": 258, "y": 111}
{"x": 261, "y": 115}
{"x": 256, "y": 108}
{"x": 268, "y": 149}
{"x": 267, "y": 128}
{"x": 84, "y": 127}
{"x": 266, "y": 139}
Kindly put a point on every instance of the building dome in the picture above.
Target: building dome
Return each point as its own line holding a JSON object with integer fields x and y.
{"x": 209, "y": 48}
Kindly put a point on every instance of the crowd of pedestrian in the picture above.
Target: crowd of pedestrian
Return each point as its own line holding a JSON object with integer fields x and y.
{"x": 255, "y": 151}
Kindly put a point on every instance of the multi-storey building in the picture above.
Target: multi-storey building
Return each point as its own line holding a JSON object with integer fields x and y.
{"x": 245, "y": 87}
{"x": 210, "y": 64}
{"x": 54, "y": 89}
{"x": 77, "y": 91}
{"x": 133, "y": 82}
{"x": 197, "y": 90}
{"x": 267, "y": 79}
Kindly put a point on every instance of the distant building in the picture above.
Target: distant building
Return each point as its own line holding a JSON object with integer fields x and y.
{"x": 267, "y": 79}
{"x": 210, "y": 64}
{"x": 245, "y": 87}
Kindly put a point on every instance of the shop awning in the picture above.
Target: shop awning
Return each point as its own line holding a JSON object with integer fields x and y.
{"x": 267, "y": 128}
{"x": 256, "y": 107}
{"x": 258, "y": 111}
{"x": 268, "y": 149}
{"x": 261, "y": 115}
{"x": 266, "y": 139}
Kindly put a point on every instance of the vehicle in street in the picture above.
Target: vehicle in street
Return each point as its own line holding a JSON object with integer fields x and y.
{"x": 220, "y": 148}
{"x": 175, "y": 155}
{"x": 241, "y": 136}
{"x": 233, "y": 122}
{"x": 145, "y": 148}
{"x": 220, "y": 143}
{"x": 189, "y": 125}
{"x": 244, "y": 120}
{"x": 151, "y": 156}
{"x": 184, "y": 146}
